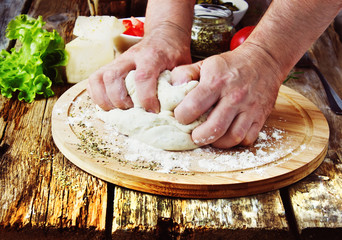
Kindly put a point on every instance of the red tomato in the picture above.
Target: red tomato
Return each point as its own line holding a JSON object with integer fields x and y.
{"x": 134, "y": 27}
{"x": 240, "y": 36}
{"x": 127, "y": 23}
{"x": 129, "y": 31}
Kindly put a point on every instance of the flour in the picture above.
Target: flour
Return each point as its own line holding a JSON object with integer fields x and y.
{"x": 270, "y": 146}
{"x": 276, "y": 134}
{"x": 262, "y": 136}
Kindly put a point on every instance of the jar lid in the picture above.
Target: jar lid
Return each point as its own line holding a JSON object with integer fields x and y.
{"x": 212, "y": 11}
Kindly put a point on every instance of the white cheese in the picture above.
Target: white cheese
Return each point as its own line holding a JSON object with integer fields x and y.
{"x": 97, "y": 27}
{"x": 86, "y": 56}
{"x": 93, "y": 47}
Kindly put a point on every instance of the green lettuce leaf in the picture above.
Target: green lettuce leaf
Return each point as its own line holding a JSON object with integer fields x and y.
{"x": 31, "y": 69}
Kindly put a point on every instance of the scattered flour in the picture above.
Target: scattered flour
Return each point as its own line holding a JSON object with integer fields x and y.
{"x": 269, "y": 147}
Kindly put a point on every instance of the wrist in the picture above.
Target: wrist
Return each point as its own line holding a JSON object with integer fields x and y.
{"x": 259, "y": 58}
{"x": 171, "y": 32}
{"x": 170, "y": 21}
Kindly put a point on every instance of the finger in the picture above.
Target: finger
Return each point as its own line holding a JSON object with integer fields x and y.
{"x": 96, "y": 90}
{"x": 236, "y": 132}
{"x": 146, "y": 81}
{"x": 216, "y": 124}
{"x": 252, "y": 134}
{"x": 114, "y": 81}
{"x": 146, "y": 87}
{"x": 196, "y": 102}
{"x": 185, "y": 73}
{"x": 105, "y": 90}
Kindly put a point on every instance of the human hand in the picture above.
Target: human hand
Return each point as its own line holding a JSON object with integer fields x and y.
{"x": 149, "y": 58}
{"x": 238, "y": 87}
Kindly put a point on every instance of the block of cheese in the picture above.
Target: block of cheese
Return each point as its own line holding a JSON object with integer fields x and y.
{"x": 98, "y": 27}
{"x": 86, "y": 56}
{"x": 93, "y": 47}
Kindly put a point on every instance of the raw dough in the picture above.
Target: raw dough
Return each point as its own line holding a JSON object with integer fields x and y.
{"x": 160, "y": 130}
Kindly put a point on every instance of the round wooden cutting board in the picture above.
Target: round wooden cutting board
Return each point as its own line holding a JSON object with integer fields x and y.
{"x": 292, "y": 144}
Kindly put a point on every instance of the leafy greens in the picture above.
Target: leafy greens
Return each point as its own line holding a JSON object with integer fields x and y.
{"x": 33, "y": 67}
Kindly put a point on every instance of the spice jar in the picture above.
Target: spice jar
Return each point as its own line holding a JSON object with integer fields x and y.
{"x": 211, "y": 31}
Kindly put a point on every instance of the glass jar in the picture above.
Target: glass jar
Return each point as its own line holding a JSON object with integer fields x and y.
{"x": 211, "y": 31}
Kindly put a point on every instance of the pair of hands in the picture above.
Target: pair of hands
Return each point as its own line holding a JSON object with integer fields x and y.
{"x": 240, "y": 87}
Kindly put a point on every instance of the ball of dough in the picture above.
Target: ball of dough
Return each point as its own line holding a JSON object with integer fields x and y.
{"x": 160, "y": 130}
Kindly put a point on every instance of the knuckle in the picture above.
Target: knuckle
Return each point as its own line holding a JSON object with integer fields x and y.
{"x": 142, "y": 75}
{"x": 94, "y": 78}
{"x": 108, "y": 76}
{"x": 238, "y": 95}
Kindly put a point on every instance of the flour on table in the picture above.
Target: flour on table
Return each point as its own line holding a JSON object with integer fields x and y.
{"x": 160, "y": 130}
{"x": 272, "y": 147}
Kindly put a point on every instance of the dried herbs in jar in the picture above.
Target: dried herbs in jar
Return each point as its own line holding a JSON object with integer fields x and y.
{"x": 212, "y": 30}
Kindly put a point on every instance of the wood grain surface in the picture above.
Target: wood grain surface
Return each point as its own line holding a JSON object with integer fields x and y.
{"x": 40, "y": 189}
{"x": 45, "y": 196}
{"x": 306, "y": 135}
{"x": 316, "y": 199}
{"x": 260, "y": 216}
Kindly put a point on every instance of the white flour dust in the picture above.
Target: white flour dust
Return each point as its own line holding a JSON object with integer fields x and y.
{"x": 269, "y": 147}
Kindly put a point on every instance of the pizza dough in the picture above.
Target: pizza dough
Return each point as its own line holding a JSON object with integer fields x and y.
{"x": 160, "y": 130}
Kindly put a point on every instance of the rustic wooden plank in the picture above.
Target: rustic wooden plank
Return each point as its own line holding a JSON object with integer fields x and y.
{"x": 8, "y": 10}
{"x": 3, "y": 122}
{"x": 21, "y": 138}
{"x": 152, "y": 216}
{"x": 41, "y": 191}
{"x": 40, "y": 188}
{"x": 317, "y": 200}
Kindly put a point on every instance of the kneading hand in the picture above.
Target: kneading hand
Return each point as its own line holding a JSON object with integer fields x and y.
{"x": 149, "y": 58}
{"x": 239, "y": 88}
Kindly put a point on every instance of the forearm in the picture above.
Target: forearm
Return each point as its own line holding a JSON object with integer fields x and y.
{"x": 172, "y": 17}
{"x": 289, "y": 27}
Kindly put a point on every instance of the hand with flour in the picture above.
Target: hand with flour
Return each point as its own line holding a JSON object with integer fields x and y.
{"x": 239, "y": 87}
{"x": 241, "y": 98}
{"x": 165, "y": 45}
{"x": 242, "y": 85}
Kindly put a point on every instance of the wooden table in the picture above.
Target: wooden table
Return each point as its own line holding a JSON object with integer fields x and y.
{"x": 44, "y": 196}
